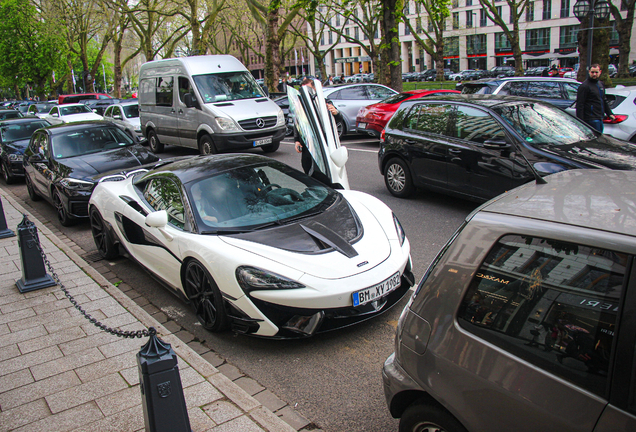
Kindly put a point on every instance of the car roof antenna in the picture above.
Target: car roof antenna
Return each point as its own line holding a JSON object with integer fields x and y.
{"x": 537, "y": 176}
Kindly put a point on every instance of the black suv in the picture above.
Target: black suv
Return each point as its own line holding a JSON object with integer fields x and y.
{"x": 477, "y": 147}
{"x": 501, "y": 71}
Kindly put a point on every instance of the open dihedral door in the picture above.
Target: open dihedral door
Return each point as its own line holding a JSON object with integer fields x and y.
{"x": 317, "y": 128}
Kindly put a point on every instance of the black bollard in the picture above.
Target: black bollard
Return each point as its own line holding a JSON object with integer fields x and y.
{"x": 161, "y": 389}
{"x": 4, "y": 231}
{"x": 34, "y": 275}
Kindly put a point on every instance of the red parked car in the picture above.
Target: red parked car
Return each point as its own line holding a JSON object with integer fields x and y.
{"x": 563, "y": 70}
{"x": 373, "y": 118}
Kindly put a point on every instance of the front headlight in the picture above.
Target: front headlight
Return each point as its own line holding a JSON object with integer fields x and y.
{"x": 280, "y": 120}
{"x": 226, "y": 124}
{"x": 252, "y": 279}
{"x": 15, "y": 157}
{"x": 400, "y": 231}
{"x": 76, "y": 185}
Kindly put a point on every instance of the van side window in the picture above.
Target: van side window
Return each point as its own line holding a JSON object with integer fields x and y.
{"x": 552, "y": 303}
{"x": 184, "y": 88}
{"x": 164, "y": 91}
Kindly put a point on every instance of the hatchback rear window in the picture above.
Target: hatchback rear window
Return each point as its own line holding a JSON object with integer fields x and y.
{"x": 615, "y": 100}
{"x": 552, "y": 303}
{"x": 477, "y": 89}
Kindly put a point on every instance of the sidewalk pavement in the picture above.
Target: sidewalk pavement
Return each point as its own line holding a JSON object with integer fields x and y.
{"x": 59, "y": 372}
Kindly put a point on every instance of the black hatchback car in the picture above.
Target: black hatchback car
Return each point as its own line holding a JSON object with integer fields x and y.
{"x": 63, "y": 163}
{"x": 14, "y": 138}
{"x": 478, "y": 147}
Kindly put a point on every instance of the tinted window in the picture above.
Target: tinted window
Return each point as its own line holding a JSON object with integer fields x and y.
{"x": 433, "y": 118}
{"x": 164, "y": 194}
{"x": 376, "y": 92}
{"x": 131, "y": 111}
{"x": 353, "y": 93}
{"x": 109, "y": 112}
{"x": 514, "y": 89}
{"x": 476, "y": 125}
{"x": 90, "y": 140}
{"x": 20, "y": 131}
{"x": 163, "y": 91}
{"x": 544, "y": 90}
{"x": 549, "y": 302}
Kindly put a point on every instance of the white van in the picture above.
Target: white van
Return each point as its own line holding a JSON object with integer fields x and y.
{"x": 207, "y": 102}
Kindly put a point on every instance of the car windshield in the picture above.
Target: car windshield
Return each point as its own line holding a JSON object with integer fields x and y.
{"x": 219, "y": 87}
{"x": 131, "y": 111}
{"x": 255, "y": 196}
{"x": 89, "y": 140}
{"x": 75, "y": 109}
{"x": 20, "y": 131}
{"x": 539, "y": 123}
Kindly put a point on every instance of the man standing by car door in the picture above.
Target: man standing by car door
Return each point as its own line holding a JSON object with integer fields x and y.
{"x": 591, "y": 103}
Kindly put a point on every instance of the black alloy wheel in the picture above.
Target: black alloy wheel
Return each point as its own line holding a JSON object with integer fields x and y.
{"x": 105, "y": 245}
{"x": 205, "y": 297}
{"x": 62, "y": 213}
{"x": 421, "y": 417}
{"x": 153, "y": 142}
{"x": 397, "y": 178}
{"x": 6, "y": 173}
{"x": 206, "y": 146}
{"x": 30, "y": 189}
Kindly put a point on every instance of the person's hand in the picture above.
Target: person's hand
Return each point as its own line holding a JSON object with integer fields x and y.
{"x": 332, "y": 109}
{"x": 299, "y": 147}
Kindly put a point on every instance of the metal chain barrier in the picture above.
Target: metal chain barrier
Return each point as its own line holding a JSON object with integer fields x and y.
{"x": 125, "y": 334}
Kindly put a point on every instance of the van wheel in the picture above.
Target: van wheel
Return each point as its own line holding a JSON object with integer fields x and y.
{"x": 153, "y": 142}
{"x": 422, "y": 417}
{"x": 271, "y": 148}
{"x": 206, "y": 146}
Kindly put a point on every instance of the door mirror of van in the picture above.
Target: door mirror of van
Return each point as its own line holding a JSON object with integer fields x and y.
{"x": 191, "y": 101}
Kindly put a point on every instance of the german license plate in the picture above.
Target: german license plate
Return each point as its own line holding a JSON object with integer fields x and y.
{"x": 375, "y": 292}
{"x": 362, "y": 125}
{"x": 263, "y": 141}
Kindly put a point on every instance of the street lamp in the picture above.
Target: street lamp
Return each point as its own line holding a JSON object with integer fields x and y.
{"x": 599, "y": 9}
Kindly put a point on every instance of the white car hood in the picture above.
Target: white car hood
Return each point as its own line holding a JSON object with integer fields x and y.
{"x": 372, "y": 249}
{"x": 80, "y": 117}
{"x": 244, "y": 109}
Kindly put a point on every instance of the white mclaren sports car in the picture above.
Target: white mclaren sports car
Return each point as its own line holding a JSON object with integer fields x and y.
{"x": 255, "y": 245}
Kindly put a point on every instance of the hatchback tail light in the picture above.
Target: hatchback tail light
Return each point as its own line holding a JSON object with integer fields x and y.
{"x": 618, "y": 118}
{"x": 382, "y": 136}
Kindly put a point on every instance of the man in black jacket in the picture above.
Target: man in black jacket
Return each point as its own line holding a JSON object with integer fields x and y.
{"x": 591, "y": 103}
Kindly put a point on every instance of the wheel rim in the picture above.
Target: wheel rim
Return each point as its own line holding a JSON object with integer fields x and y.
{"x": 340, "y": 128}
{"x": 396, "y": 177}
{"x": 99, "y": 234}
{"x": 427, "y": 426}
{"x": 61, "y": 211}
{"x": 200, "y": 291}
{"x": 153, "y": 142}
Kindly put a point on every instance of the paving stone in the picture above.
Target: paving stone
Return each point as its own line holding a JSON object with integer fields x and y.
{"x": 131, "y": 419}
{"x": 62, "y": 336}
{"x": 213, "y": 358}
{"x": 141, "y": 301}
{"x": 251, "y": 386}
{"x": 105, "y": 366}
{"x": 119, "y": 347}
{"x": 26, "y": 303}
{"x": 38, "y": 389}
{"x": 24, "y": 414}
{"x": 16, "y": 316}
{"x": 98, "y": 339}
{"x": 292, "y": 418}
{"x": 151, "y": 309}
{"x": 19, "y": 336}
{"x": 233, "y": 392}
{"x": 189, "y": 376}
{"x": 222, "y": 411}
{"x": 55, "y": 317}
{"x": 131, "y": 375}
{"x": 201, "y": 394}
{"x": 198, "y": 347}
{"x": 160, "y": 317}
{"x": 8, "y": 352}
{"x": 270, "y": 400}
{"x": 63, "y": 364}
{"x": 230, "y": 371}
{"x": 119, "y": 401}
{"x": 30, "y": 359}
{"x": 81, "y": 394}
{"x": 242, "y": 424}
{"x": 172, "y": 326}
{"x": 66, "y": 421}
{"x": 185, "y": 336}
{"x": 199, "y": 421}
{"x": 270, "y": 421}
{"x": 15, "y": 379}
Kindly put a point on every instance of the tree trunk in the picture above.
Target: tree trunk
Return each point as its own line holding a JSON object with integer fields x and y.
{"x": 392, "y": 42}
{"x": 117, "y": 69}
{"x": 272, "y": 51}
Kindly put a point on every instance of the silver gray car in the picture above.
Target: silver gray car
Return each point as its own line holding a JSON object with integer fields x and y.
{"x": 525, "y": 321}
{"x": 349, "y": 98}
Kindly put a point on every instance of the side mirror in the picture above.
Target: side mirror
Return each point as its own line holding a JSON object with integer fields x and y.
{"x": 158, "y": 219}
{"x": 191, "y": 101}
{"x": 340, "y": 157}
{"x": 496, "y": 144}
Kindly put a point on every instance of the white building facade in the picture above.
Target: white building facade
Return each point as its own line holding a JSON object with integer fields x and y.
{"x": 547, "y": 32}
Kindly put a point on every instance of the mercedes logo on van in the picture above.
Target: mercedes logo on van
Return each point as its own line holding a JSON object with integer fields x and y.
{"x": 260, "y": 123}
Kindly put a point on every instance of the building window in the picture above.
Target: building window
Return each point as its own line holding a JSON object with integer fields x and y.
{"x": 407, "y": 8}
{"x": 451, "y": 46}
{"x": 476, "y": 44}
{"x": 567, "y": 36}
{"x": 483, "y": 20}
{"x": 455, "y": 20}
{"x": 500, "y": 12}
{"x": 357, "y": 33}
{"x": 469, "y": 19}
{"x": 538, "y": 39}
{"x": 547, "y": 9}
{"x": 407, "y": 30}
{"x": 613, "y": 34}
{"x": 455, "y": 4}
{"x": 565, "y": 8}
{"x": 502, "y": 42}
{"x": 469, "y": 2}
{"x": 530, "y": 11}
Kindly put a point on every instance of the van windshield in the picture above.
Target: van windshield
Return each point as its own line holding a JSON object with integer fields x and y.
{"x": 220, "y": 87}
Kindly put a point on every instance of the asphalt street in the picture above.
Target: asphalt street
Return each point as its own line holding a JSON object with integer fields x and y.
{"x": 334, "y": 379}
